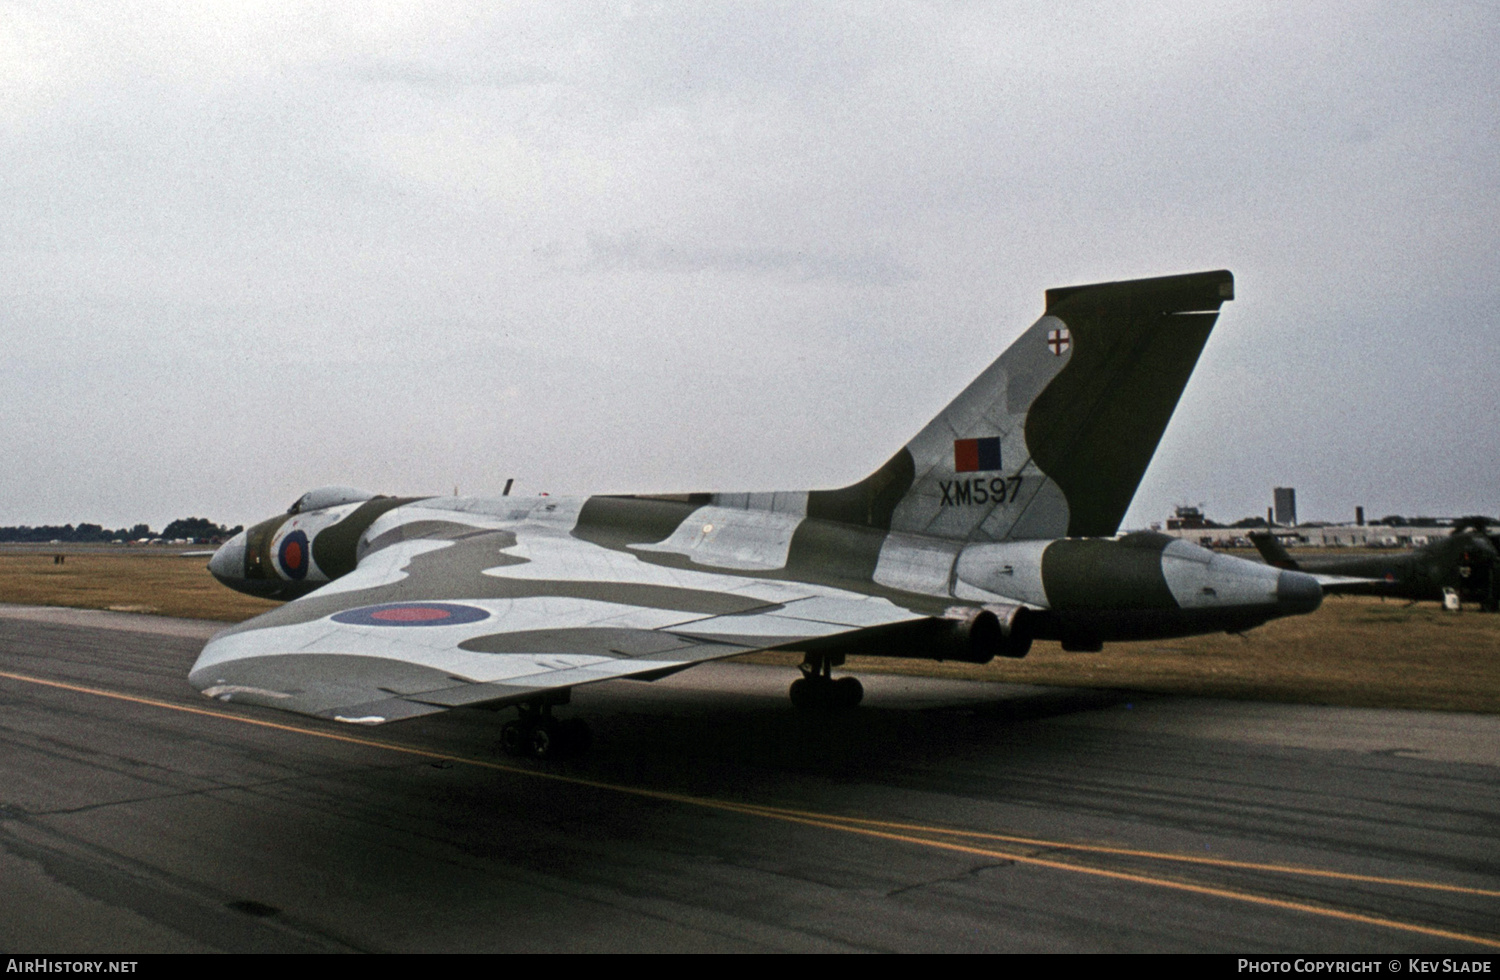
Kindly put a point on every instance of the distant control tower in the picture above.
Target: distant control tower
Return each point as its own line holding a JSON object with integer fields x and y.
{"x": 1286, "y": 506}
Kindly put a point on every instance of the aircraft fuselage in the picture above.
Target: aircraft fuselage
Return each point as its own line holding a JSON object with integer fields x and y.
{"x": 1081, "y": 591}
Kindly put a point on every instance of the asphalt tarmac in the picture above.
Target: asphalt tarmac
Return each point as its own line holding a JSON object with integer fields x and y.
{"x": 137, "y": 816}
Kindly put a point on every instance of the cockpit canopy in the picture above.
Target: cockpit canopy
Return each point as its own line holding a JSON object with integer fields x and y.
{"x": 328, "y": 497}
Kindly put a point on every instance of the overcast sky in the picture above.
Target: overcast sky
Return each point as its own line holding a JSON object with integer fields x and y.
{"x": 248, "y": 249}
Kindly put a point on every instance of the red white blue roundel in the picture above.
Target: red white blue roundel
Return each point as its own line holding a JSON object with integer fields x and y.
{"x": 412, "y": 614}
{"x": 293, "y": 555}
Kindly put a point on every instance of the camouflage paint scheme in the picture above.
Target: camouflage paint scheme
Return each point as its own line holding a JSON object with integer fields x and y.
{"x": 990, "y": 528}
{"x": 1466, "y": 561}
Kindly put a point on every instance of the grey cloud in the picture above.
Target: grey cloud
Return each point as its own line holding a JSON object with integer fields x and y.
{"x": 870, "y": 268}
{"x": 726, "y": 246}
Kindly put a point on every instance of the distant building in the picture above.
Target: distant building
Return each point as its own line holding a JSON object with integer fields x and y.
{"x": 1286, "y": 506}
{"x": 1317, "y": 536}
{"x": 1188, "y": 519}
{"x": 1192, "y": 524}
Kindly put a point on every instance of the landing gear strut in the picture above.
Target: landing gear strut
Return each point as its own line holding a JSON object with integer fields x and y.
{"x": 538, "y": 735}
{"x": 817, "y": 690}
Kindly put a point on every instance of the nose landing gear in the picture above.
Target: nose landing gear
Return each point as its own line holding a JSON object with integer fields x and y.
{"x": 817, "y": 690}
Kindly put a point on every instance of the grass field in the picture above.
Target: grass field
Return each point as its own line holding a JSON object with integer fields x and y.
{"x": 136, "y": 580}
{"x": 1354, "y": 651}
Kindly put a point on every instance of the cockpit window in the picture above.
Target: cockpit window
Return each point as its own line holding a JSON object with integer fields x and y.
{"x": 328, "y": 497}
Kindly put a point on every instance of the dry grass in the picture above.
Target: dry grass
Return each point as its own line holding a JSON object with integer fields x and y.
{"x": 1354, "y": 651}
{"x": 156, "y": 581}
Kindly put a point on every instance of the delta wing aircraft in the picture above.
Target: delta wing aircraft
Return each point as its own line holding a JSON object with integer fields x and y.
{"x": 994, "y": 526}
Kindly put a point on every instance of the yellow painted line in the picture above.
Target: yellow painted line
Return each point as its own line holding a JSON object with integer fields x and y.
{"x": 186, "y": 709}
{"x": 825, "y": 821}
{"x": 1288, "y": 869}
{"x": 1149, "y": 880}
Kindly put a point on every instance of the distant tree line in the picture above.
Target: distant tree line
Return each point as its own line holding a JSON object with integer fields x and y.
{"x": 195, "y": 529}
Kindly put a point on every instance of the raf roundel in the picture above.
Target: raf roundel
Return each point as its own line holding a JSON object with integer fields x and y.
{"x": 293, "y": 555}
{"x": 412, "y": 614}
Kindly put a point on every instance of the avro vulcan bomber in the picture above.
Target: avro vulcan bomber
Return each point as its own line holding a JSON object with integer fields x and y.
{"x": 993, "y": 527}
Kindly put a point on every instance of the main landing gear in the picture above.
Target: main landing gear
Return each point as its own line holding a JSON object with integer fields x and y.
{"x": 817, "y": 690}
{"x": 538, "y": 735}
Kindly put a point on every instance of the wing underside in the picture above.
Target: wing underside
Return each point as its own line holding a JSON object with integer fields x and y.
{"x": 461, "y": 618}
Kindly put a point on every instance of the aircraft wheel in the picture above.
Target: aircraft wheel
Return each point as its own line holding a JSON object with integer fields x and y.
{"x": 847, "y": 692}
{"x": 551, "y": 740}
{"x": 513, "y": 740}
{"x": 822, "y": 694}
{"x": 545, "y": 741}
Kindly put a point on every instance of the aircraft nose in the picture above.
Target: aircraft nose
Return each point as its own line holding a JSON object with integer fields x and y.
{"x": 228, "y": 563}
{"x": 1297, "y": 592}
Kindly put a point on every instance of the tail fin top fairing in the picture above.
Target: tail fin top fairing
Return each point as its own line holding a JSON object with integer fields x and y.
{"x": 1052, "y": 439}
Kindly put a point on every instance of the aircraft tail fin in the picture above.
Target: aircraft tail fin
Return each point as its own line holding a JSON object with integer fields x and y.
{"x": 1053, "y": 438}
{"x": 1272, "y": 551}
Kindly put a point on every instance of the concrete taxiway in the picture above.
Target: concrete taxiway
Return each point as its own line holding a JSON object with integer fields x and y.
{"x": 710, "y": 815}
